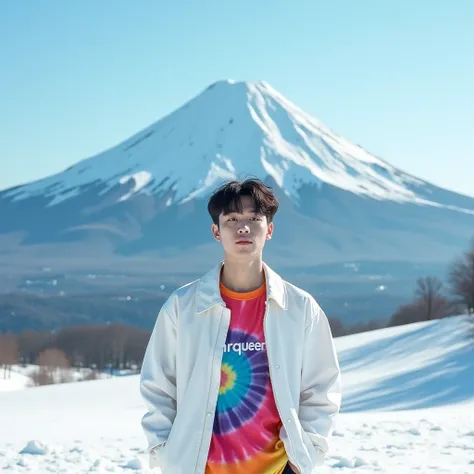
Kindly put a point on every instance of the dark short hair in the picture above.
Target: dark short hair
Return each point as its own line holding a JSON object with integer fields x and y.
{"x": 227, "y": 199}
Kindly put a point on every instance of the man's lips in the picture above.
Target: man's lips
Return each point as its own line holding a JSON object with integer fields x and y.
{"x": 243, "y": 241}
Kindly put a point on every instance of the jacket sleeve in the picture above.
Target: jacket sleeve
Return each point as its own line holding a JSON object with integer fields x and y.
{"x": 158, "y": 380}
{"x": 320, "y": 394}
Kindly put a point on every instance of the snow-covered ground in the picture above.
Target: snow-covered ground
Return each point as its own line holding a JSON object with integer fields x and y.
{"x": 408, "y": 408}
{"x": 17, "y": 379}
{"x": 20, "y": 378}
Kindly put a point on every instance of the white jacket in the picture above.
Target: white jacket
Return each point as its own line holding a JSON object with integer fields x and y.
{"x": 181, "y": 373}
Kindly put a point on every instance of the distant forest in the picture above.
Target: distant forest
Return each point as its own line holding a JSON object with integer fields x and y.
{"x": 21, "y": 311}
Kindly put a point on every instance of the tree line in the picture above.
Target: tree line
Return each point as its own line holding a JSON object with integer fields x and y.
{"x": 101, "y": 348}
{"x": 436, "y": 299}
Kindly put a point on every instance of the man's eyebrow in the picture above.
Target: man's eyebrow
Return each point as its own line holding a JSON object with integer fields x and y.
{"x": 254, "y": 211}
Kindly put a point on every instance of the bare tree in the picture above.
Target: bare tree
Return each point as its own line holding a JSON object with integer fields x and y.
{"x": 461, "y": 277}
{"x": 54, "y": 365}
{"x": 375, "y": 324}
{"x": 135, "y": 348}
{"x": 432, "y": 303}
{"x": 8, "y": 353}
{"x": 337, "y": 327}
{"x": 2, "y": 353}
{"x": 117, "y": 335}
{"x": 429, "y": 303}
{"x": 407, "y": 314}
{"x": 41, "y": 377}
{"x": 31, "y": 343}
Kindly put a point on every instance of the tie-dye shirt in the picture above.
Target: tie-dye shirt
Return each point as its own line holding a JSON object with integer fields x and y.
{"x": 246, "y": 429}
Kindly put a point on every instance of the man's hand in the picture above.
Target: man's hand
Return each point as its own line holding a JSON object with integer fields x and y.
{"x": 293, "y": 468}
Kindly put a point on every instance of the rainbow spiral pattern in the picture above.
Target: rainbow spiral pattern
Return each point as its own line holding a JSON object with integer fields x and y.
{"x": 244, "y": 383}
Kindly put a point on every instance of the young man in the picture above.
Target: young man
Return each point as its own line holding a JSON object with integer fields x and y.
{"x": 240, "y": 375}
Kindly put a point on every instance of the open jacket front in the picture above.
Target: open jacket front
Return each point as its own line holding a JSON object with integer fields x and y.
{"x": 181, "y": 373}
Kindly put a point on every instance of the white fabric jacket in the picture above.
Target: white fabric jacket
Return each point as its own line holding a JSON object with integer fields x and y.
{"x": 181, "y": 372}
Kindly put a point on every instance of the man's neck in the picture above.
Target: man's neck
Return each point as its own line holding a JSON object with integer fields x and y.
{"x": 243, "y": 276}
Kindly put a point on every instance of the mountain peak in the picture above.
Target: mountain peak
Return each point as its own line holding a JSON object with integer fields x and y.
{"x": 241, "y": 89}
{"x": 232, "y": 82}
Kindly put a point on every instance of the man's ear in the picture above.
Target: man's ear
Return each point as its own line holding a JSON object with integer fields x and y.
{"x": 215, "y": 232}
{"x": 271, "y": 227}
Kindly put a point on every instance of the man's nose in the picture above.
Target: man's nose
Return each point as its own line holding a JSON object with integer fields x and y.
{"x": 244, "y": 229}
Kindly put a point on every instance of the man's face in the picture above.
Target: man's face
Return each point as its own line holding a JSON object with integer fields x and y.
{"x": 243, "y": 235}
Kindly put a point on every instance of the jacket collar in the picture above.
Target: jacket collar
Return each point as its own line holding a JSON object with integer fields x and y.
{"x": 209, "y": 295}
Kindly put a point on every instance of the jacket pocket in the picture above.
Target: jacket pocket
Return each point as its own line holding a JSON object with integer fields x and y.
{"x": 161, "y": 451}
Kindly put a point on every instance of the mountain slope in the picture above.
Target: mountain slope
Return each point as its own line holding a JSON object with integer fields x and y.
{"x": 418, "y": 365}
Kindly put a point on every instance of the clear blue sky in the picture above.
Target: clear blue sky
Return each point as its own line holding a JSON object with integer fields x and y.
{"x": 396, "y": 77}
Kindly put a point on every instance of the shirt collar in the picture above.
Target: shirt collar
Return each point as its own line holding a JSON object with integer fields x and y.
{"x": 209, "y": 295}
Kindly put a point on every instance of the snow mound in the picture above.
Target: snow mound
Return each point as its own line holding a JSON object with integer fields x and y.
{"x": 135, "y": 464}
{"x": 35, "y": 447}
{"x": 101, "y": 465}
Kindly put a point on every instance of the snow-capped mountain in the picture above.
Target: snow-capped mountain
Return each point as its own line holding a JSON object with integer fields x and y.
{"x": 148, "y": 195}
{"x": 230, "y": 129}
